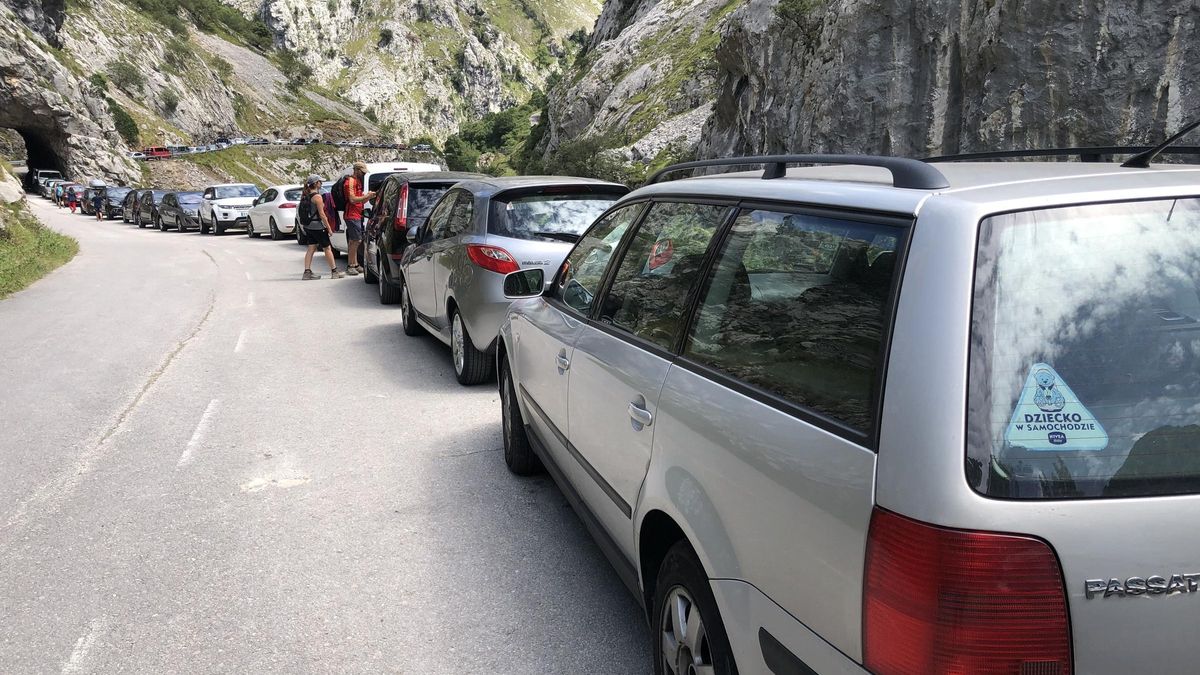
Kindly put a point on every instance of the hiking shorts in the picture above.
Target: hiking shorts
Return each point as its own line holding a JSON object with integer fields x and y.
{"x": 354, "y": 229}
{"x": 318, "y": 238}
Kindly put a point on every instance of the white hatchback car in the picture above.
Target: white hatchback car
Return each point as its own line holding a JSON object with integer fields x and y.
{"x": 274, "y": 212}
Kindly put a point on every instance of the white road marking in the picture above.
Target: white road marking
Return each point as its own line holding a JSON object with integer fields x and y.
{"x": 239, "y": 260}
{"x": 199, "y": 434}
{"x": 249, "y": 300}
{"x": 78, "y": 658}
{"x": 241, "y": 341}
{"x": 248, "y": 277}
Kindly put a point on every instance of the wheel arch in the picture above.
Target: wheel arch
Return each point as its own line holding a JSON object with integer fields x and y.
{"x": 657, "y": 534}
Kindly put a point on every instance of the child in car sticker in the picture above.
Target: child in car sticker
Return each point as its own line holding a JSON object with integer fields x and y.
{"x": 1049, "y": 417}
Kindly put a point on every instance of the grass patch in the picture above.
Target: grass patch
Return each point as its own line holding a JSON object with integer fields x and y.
{"x": 231, "y": 161}
{"x": 28, "y": 249}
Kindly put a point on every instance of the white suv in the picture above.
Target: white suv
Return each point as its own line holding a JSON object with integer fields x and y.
{"x": 226, "y": 207}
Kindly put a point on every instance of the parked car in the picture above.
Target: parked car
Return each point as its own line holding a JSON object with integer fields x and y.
{"x": 258, "y": 141}
{"x": 404, "y": 201}
{"x": 130, "y": 204}
{"x": 729, "y": 377}
{"x": 274, "y": 212}
{"x": 137, "y": 155}
{"x": 38, "y": 177}
{"x": 114, "y": 195}
{"x": 422, "y": 147}
{"x": 147, "y": 210}
{"x": 226, "y": 207}
{"x": 51, "y": 185}
{"x": 377, "y": 172}
{"x": 179, "y": 210}
{"x": 452, "y": 272}
{"x": 157, "y": 153}
{"x": 86, "y": 207}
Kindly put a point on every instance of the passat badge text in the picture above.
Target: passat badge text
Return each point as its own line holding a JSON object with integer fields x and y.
{"x": 1152, "y": 585}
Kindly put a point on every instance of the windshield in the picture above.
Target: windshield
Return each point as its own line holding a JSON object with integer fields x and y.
{"x": 1085, "y": 358}
{"x": 189, "y": 198}
{"x": 558, "y": 217}
{"x": 236, "y": 191}
{"x": 157, "y": 195}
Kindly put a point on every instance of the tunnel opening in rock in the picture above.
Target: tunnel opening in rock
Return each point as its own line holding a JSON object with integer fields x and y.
{"x": 28, "y": 150}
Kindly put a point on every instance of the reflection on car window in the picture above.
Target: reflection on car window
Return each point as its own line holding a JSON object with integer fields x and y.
{"x": 652, "y": 282}
{"x": 1085, "y": 358}
{"x": 437, "y": 219}
{"x": 579, "y": 278}
{"x": 421, "y": 201}
{"x": 293, "y": 195}
{"x": 795, "y": 306}
{"x": 236, "y": 191}
{"x": 560, "y": 217}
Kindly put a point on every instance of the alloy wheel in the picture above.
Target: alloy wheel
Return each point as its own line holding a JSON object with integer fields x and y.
{"x": 685, "y": 648}
{"x": 456, "y": 344}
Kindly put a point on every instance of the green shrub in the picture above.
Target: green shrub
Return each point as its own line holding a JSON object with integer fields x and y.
{"x": 223, "y": 68}
{"x": 126, "y": 125}
{"x": 461, "y": 155}
{"x": 385, "y": 37}
{"x": 296, "y": 71}
{"x": 126, "y": 76}
{"x": 170, "y": 102}
{"x": 177, "y": 53}
{"x": 211, "y": 16}
{"x": 99, "y": 82}
{"x": 586, "y": 157}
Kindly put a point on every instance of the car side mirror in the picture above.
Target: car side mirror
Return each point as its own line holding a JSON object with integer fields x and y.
{"x": 414, "y": 234}
{"x": 524, "y": 283}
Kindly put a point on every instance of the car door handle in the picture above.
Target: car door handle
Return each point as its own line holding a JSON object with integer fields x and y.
{"x": 563, "y": 362}
{"x": 641, "y": 417}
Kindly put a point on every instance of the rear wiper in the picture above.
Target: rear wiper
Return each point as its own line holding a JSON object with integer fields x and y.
{"x": 561, "y": 236}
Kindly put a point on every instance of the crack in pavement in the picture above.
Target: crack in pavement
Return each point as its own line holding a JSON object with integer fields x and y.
{"x": 62, "y": 486}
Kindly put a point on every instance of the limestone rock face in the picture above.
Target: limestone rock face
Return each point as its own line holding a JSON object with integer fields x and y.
{"x": 63, "y": 123}
{"x": 906, "y": 77}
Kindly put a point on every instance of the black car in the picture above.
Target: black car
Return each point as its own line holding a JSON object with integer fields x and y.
{"x": 114, "y": 201}
{"x": 179, "y": 210}
{"x": 402, "y": 201}
{"x": 147, "y": 210}
{"x": 129, "y": 205}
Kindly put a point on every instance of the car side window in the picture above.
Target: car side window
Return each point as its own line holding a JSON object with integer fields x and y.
{"x": 208, "y": 194}
{"x": 439, "y": 216}
{"x": 460, "y": 217}
{"x": 661, "y": 264}
{"x": 796, "y": 306}
{"x": 387, "y": 198}
{"x": 580, "y": 275}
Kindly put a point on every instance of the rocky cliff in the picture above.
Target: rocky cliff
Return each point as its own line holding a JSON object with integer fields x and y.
{"x": 909, "y": 77}
{"x": 426, "y": 66}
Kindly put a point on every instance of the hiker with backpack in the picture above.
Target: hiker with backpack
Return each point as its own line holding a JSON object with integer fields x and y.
{"x": 349, "y": 197}
{"x": 312, "y": 216}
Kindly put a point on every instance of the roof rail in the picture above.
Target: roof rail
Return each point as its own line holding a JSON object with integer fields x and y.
{"x": 906, "y": 173}
{"x": 1087, "y": 154}
{"x": 1142, "y": 160}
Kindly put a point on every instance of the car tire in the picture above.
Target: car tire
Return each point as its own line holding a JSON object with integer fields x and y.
{"x": 276, "y": 235}
{"x": 161, "y": 226}
{"x": 250, "y": 231}
{"x": 684, "y": 602}
{"x": 372, "y": 277}
{"x": 178, "y": 224}
{"x": 471, "y": 366}
{"x": 203, "y": 226}
{"x": 519, "y": 456}
{"x": 408, "y": 316}
{"x": 217, "y": 229}
{"x": 139, "y": 222}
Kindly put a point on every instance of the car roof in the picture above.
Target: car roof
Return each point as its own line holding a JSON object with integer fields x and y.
{"x": 284, "y": 188}
{"x": 435, "y": 176}
{"x": 231, "y": 185}
{"x": 493, "y": 185}
{"x": 1012, "y": 183}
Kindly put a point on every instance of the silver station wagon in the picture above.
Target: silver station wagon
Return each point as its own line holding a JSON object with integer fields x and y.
{"x": 885, "y": 416}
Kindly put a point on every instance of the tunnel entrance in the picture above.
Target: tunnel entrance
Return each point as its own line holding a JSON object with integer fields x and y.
{"x": 27, "y": 150}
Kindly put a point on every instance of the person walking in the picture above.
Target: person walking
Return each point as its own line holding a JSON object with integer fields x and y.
{"x": 58, "y": 195}
{"x": 355, "y": 198}
{"x": 72, "y": 199}
{"x": 312, "y": 217}
{"x": 98, "y": 204}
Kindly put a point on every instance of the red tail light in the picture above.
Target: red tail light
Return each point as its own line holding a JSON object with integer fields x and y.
{"x": 492, "y": 258}
{"x": 938, "y": 600}
{"x": 401, "y": 221}
{"x": 288, "y": 205}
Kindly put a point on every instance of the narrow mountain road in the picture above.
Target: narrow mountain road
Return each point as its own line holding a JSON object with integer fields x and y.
{"x": 207, "y": 465}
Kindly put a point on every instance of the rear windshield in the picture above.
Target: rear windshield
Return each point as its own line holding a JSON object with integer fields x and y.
{"x": 293, "y": 195}
{"x": 1085, "y": 352}
{"x": 556, "y": 217}
{"x": 421, "y": 200}
{"x": 236, "y": 191}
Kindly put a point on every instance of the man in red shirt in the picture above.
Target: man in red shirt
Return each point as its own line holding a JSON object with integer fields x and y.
{"x": 355, "y": 198}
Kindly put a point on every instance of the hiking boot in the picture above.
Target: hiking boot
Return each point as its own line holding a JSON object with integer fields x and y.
{"x": 308, "y": 275}
{"x": 336, "y": 274}
{"x": 351, "y": 270}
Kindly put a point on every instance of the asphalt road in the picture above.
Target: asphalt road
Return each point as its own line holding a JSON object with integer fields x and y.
{"x": 208, "y": 465}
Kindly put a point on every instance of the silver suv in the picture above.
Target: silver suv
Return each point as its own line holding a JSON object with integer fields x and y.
{"x": 834, "y": 420}
{"x": 453, "y": 270}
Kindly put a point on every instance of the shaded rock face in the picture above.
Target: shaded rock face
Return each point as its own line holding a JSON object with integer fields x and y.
{"x": 43, "y": 17}
{"x": 64, "y": 126}
{"x": 930, "y": 77}
{"x": 906, "y": 77}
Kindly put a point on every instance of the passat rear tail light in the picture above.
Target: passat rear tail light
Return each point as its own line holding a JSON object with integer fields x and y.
{"x": 401, "y": 221}
{"x": 937, "y": 600}
{"x": 492, "y": 258}
{"x": 288, "y": 205}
